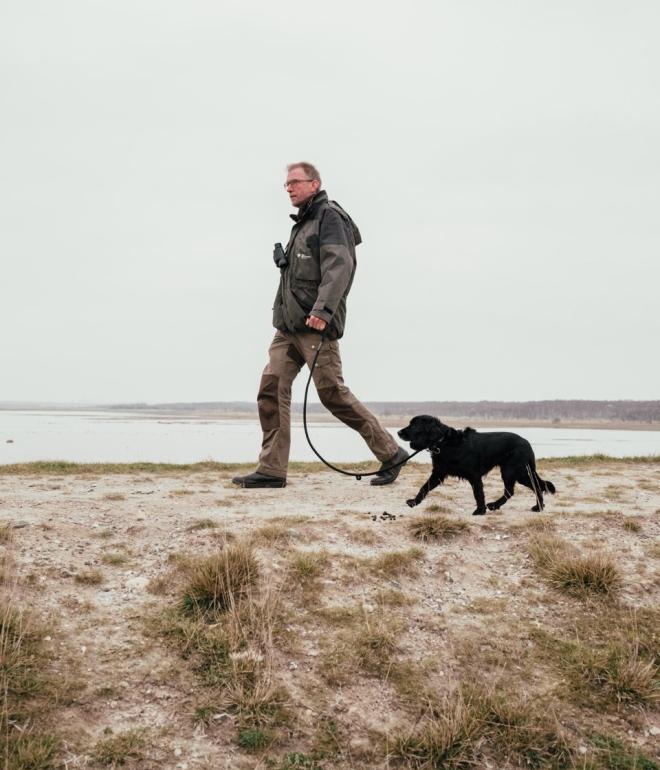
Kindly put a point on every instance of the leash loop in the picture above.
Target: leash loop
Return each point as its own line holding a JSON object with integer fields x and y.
{"x": 358, "y": 476}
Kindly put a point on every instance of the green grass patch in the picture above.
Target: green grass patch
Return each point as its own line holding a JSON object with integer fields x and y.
{"x": 62, "y": 468}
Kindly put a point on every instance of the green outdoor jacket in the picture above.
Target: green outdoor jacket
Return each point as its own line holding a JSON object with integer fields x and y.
{"x": 320, "y": 270}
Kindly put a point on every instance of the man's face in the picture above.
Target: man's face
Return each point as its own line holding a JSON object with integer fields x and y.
{"x": 299, "y": 187}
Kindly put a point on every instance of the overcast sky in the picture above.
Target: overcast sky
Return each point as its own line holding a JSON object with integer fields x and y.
{"x": 500, "y": 157}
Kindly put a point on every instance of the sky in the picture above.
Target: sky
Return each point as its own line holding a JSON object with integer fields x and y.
{"x": 501, "y": 159}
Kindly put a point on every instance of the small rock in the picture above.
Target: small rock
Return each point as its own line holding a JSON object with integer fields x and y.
{"x": 654, "y": 730}
{"x": 582, "y": 749}
{"x": 177, "y": 752}
{"x": 10, "y": 440}
{"x": 293, "y": 665}
{"x": 19, "y": 524}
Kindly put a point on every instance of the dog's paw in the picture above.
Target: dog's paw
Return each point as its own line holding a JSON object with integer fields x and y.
{"x": 479, "y": 512}
{"x": 492, "y": 506}
{"x": 411, "y": 503}
{"x": 536, "y": 509}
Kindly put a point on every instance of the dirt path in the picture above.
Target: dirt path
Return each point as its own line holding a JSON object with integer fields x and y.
{"x": 126, "y": 529}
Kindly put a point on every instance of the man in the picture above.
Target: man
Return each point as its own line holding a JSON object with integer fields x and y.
{"x": 315, "y": 279}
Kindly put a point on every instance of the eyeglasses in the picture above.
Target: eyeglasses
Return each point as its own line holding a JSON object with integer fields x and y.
{"x": 295, "y": 182}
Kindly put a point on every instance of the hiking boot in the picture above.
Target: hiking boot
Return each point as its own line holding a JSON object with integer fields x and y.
{"x": 387, "y": 474}
{"x": 258, "y": 480}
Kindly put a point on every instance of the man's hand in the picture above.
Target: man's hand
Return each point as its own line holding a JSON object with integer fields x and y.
{"x": 316, "y": 323}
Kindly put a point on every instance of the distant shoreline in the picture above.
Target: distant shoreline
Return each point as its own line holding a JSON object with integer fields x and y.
{"x": 388, "y": 420}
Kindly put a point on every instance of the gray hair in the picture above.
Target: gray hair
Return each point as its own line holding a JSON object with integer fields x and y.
{"x": 310, "y": 171}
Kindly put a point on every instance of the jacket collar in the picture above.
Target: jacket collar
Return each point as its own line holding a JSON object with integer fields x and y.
{"x": 311, "y": 207}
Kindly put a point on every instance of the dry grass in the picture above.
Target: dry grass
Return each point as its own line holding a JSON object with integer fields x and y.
{"x": 6, "y": 532}
{"x": 435, "y": 528}
{"x": 198, "y": 524}
{"x": 28, "y": 693}
{"x": 308, "y": 566}
{"x": 610, "y": 658}
{"x": 363, "y": 536}
{"x": 114, "y": 496}
{"x": 614, "y": 492}
{"x": 121, "y": 749}
{"x": 114, "y": 559}
{"x": 477, "y": 728}
{"x": 226, "y": 623}
{"x": 367, "y": 645}
{"x": 216, "y": 583}
{"x": 488, "y": 605}
{"x": 62, "y": 468}
{"x": 396, "y": 563}
{"x": 272, "y": 533}
{"x": 89, "y": 577}
{"x": 632, "y": 525}
{"x": 595, "y": 574}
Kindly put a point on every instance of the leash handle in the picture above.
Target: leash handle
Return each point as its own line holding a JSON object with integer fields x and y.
{"x": 358, "y": 476}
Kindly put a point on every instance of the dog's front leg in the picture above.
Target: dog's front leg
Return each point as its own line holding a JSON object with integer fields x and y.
{"x": 478, "y": 489}
{"x": 433, "y": 480}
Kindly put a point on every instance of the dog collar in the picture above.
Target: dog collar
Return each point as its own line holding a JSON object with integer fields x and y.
{"x": 435, "y": 450}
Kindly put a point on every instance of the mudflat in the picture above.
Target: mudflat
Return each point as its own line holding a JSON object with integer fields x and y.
{"x": 176, "y": 621}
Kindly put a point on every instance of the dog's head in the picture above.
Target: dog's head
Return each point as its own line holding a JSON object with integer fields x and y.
{"x": 425, "y": 431}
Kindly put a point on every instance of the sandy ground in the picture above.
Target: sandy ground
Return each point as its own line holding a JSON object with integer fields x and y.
{"x": 66, "y": 524}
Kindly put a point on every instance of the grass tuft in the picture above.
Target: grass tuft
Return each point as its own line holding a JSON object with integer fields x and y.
{"x": 6, "y": 532}
{"x": 254, "y": 739}
{"x": 27, "y": 694}
{"x": 201, "y": 524}
{"x": 114, "y": 559}
{"x": 308, "y": 566}
{"x": 218, "y": 582}
{"x": 395, "y": 563}
{"x": 120, "y": 749}
{"x": 632, "y": 525}
{"x": 89, "y": 577}
{"x": 434, "y": 528}
{"x": 458, "y": 729}
{"x": 574, "y": 574}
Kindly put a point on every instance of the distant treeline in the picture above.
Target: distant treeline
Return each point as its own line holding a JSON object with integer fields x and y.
{"x": 625, "y": 411}
{"x": 551, "y": 411}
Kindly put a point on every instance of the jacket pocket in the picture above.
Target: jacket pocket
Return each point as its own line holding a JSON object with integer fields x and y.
{"x": 305, "y": 293}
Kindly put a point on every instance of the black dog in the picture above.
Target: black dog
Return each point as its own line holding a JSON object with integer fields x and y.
{"x": 470, "y": 455}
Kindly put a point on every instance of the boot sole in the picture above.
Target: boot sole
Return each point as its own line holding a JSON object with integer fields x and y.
{"x": 263, "y": 485}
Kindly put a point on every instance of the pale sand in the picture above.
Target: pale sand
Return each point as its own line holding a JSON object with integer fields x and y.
{"x": 72, "y": 521}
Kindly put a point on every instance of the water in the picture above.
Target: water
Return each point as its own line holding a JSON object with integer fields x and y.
{"x": 115, "y": 437}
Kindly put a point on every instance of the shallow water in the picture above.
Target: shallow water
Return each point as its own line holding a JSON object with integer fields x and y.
{"x": 115, "y": 437}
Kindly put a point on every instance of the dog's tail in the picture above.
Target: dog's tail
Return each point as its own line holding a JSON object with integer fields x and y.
{"x": 546, "y": 486}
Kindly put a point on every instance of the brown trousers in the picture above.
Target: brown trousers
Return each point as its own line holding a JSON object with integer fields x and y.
{"x": 287, "y": 354}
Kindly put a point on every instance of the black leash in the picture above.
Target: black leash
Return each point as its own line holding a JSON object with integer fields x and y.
{"x": 358, "y": 476}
